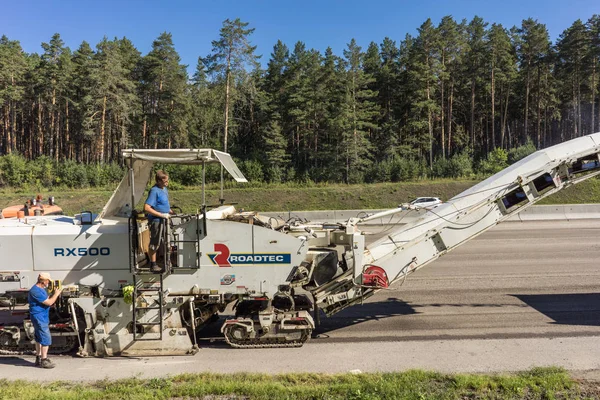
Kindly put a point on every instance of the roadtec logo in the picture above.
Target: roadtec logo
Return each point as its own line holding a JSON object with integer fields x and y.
{"x": 224, "y": 258}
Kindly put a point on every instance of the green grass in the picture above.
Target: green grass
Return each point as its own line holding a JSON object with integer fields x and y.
{"x": 539, "y": 383}
{"x": 286, "y": 198}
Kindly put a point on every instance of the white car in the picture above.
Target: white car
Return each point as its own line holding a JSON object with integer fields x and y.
{"x": 423, "y": 202}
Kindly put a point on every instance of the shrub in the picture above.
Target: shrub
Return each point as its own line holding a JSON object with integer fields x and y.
{"x": 274, "y": 174}
{"x": 495, "y": 162}
{"x": 185, "y": 174}
{"x": 72, "y": 174}
{"x": 43, "y": 170}
{"x": 402, "y": 169}
{"x": 252, "y": 170}
{"x": 14, "y": 171}
{"x": 113, "y": 173}
{"x": 94, "y": 175}
{"x": 355, "y": 176}
{"x": 518, "y": 153}
{"x": 461, "y": 165}
{"x": 440, "y": 168}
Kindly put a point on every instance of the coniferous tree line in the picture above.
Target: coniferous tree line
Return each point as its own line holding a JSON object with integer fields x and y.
{"x": 458, "y": 94}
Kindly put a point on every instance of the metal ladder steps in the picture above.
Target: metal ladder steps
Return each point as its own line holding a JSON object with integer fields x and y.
{"x": 139, "y": 313}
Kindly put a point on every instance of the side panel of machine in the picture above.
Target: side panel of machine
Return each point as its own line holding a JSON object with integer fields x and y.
{"x": 17, "y": 258}
{"x": 76, "y": 248}
{"x": 241, "y": 258}
{"x": 89, "y": 255}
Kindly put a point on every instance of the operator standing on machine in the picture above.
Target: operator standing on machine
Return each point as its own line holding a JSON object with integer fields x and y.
{"x": 39, "y": 312}
{"x": 158, "y": 209}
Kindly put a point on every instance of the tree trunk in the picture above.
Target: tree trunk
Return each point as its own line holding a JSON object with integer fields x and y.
{"x": 7, "y": 137}
{"x": 69, "y": 152}
{"x": 144, "y": 141}
{"x": 579, "y": 105}
{"x": 450, "y": 100}
{"x": 504, "y": 117}
{"x": 526, "y": 103}
{"x": 11, "y": 112}
{"x": 226, "y": 107}
{"x": 14, "y": 128}
{"x": 442, "y": 108}
{"x": 100, "y": 149}
{"x": 493, "y": 110}
{"x": 29, "y": 143}
{"x": 539, "y": 110}
{"x": 545, "y": 136}
{"x": 52, "y": 123}
{"x": 575, "y": 125}
{"x": 430, "y": 126}
{"x": 593, "y": 122}
{"x": 473, "y": 113}
{"x": 40, "y": 128}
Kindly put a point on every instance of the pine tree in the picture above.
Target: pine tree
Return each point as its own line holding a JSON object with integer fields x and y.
{"x": 112, "y": 93}
{"x": 449, "y": 51}
{"x": 296, "y": 108}
{"x": 573, "y": 49}
{"x": 54, "y": 82}
{"x": 13, "y": 67}
{"x": 533, "y": 47}
{"x": 372, "y": 65}
{"x": 206, "y": 110}
{"x": 501, "y": 66}
{"x": 475, "y": 62}
{"x": 230, "y": 55}
{"x": 362, "y": 110}
{"x": 425, "y": 68}
{"x": 83, "y": 125}
{"x": 274, "y": 142}
{"x": 164, "y": 102}
{"x": 387, "y": 79}
{"x": 593, "y": 25}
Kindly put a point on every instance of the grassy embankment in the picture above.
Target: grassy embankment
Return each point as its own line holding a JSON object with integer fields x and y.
{"x": 282, "y": 198}
{"x": 544, "y": 383}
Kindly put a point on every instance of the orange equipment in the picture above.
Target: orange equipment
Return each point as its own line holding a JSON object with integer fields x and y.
{"x": 31, "y": 208}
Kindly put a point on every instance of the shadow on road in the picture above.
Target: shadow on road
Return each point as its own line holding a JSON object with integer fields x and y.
{"x": 211, "y": 335}
{"x": 357, "y": 314}
{"x": 566, "y": 309}
{"x": 17, "y": 361}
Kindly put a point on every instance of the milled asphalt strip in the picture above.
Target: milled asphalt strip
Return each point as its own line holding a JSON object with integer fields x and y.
{"x": 457, "y": 356}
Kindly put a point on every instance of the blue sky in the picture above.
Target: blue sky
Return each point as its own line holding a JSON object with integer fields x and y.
{"x": 194, "y": 24}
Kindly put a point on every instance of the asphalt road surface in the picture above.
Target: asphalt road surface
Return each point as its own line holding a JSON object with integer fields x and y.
{"x": 518, "y": 296}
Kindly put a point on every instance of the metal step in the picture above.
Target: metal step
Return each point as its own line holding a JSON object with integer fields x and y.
{"x": 139, "y": 312}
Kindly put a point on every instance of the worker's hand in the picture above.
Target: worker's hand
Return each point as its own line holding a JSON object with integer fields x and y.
{"x": 57, "y": 292}
{"x": 165, "y": 215}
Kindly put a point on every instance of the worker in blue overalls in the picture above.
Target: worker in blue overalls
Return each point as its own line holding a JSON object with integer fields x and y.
{"x": 158, "y": 209}
{"x": 39, "y": 312}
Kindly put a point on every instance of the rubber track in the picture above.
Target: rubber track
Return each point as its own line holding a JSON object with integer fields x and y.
{"x": 273, "y": 343}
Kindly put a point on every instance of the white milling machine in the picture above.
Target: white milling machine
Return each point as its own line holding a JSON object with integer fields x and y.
{"x": 277, "y": 273}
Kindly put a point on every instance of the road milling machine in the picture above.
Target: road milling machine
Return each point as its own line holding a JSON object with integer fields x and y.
{"x": 277, "y": 275}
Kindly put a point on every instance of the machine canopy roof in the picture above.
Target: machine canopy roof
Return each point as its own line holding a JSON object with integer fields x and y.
{"x": 188, "y": 157}
{"x": 142, "y": 162}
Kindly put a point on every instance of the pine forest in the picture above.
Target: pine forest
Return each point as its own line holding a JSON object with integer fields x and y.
{"x": 457, "y": 98}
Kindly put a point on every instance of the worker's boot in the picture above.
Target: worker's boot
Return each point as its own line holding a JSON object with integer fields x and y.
{"x": 47, "y": 364}
{"x": 38, "y": 361}
{"x": 155, "y": 268}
